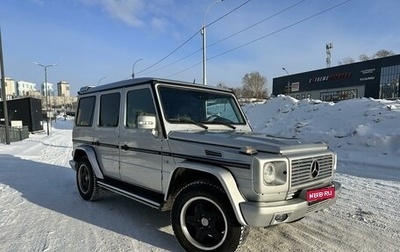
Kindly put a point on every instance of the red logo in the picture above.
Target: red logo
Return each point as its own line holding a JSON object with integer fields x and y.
{"x": 321, "y": 194}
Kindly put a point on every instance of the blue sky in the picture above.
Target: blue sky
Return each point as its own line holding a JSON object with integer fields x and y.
{"x": 98, "y": 41}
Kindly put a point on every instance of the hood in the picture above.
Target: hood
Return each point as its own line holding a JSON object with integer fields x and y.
{"x": 260, "y": 142}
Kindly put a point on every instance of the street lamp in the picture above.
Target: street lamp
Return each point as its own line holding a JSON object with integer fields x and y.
{"x": 46, "y": 90}
{"x": 133, "y": 68}
{"x": 288, "y": 82}
{"x": 203, "y": 32}
{"x": 102, "y": 78}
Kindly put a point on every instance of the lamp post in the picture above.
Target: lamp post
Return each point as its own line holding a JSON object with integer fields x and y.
{"x": 46, "y": 90}
{"x": 4, "y": 95}
{"x": 203, "y": 32}
{"x": 102, "y": 78}
{"x": 288, "y": 83}
{"x": 133, "y": 68}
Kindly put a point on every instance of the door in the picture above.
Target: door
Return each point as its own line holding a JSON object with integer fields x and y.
{"x": 140, "y": 149}
{"x": 107, "y": 133}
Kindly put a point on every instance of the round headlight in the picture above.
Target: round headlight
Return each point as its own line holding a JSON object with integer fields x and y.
{"x": 269, "y": 173}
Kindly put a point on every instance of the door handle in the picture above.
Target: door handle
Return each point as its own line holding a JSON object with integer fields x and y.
{"x": 125, "y": 147}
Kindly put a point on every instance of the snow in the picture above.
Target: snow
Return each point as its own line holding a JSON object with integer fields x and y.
{"x": 41, "y": 210}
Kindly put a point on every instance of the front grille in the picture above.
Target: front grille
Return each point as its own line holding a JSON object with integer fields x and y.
{"x": 301, "y": 169}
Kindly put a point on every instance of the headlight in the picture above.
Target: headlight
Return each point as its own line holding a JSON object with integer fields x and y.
{"x": 269, "y": 173}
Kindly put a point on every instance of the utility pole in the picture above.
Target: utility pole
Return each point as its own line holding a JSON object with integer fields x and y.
{"x": 3, "y": 94}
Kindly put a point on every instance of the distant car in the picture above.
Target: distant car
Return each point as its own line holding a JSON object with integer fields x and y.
{"x": 189, "y": 149}
{"x": 70, "y": 112}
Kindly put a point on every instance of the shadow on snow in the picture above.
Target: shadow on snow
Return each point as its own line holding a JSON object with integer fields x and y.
{"x": 54, "y": 187}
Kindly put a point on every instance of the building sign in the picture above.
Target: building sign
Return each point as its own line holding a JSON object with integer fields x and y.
{"x": 330, "y": 77}
{"x": 295, "y": 86}
{"x": 367, "y": 78}
{"x": 367, "y": 71}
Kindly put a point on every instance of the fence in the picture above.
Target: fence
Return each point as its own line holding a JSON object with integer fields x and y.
{"x": 16, "y": 134}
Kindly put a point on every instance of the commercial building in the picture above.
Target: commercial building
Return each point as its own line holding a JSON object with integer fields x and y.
{"x": 10, "y": 88}
{"x": 377, "y": 78}
{"x": 25, "y": 88}
{"x": 63, "y": 89}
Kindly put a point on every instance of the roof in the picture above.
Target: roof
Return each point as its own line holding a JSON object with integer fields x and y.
{"x": 139, "y": 81}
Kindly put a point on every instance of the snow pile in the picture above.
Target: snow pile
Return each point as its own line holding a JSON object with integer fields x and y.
{"x": 359, "y": 130}
{"x": 366, "y": 122}
{"x": 41, "y": 210}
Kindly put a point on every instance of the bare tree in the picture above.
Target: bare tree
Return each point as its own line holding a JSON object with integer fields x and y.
{"x": 382, "y": 53}
{"x": 222, "y": 85}
{"x": 363, "y": 57}
{"x": 237, "y": 91}
{"x": 254, "y": 85}
{"x": 347, "y": 60}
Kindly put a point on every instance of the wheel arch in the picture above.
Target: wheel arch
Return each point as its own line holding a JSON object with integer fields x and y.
{"x": 188, "y": 172}
{"x": 89, "y": 152}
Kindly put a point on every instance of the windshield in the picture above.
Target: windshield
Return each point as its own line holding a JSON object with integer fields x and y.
{"x": 182, "y": 105}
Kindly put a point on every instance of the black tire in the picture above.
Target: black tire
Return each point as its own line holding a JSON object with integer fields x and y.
{"x": 203, "y": 220}
{"x": 86, "y": 180}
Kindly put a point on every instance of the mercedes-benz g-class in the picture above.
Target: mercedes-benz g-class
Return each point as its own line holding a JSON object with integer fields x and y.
{"x": 189, "y": 149}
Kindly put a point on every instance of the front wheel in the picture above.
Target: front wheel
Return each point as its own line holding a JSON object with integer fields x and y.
{"x": 86, "y": 180}
{"x": 203, "y": 220}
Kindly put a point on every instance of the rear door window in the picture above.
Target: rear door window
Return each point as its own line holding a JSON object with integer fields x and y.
{"x": 109, "y": 110}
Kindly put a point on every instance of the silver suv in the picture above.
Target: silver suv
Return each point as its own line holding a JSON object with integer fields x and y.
{"x": 189, "y": 149}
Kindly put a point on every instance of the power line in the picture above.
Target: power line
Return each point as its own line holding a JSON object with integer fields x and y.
{"x": 251, "y": 26}
{"x": 269, "y": 34}
{"x": 235, "y": 9}
{"x": 183, "y": 70}
{"x": 259, "y": 22}
{"x": 282, "y": 29}
{"x": 170, "y": 53}
{"x": 226, "y": 14}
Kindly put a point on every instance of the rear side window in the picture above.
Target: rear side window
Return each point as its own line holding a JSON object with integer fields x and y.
{"x": 109, "y": 110}
{"x": 85, "y": 111}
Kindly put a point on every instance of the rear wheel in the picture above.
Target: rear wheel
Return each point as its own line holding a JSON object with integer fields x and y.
{"x": 203, "y": 220}
{"x": 86, "y": 180}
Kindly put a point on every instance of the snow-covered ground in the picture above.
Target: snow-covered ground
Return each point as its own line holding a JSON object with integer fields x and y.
{"x": 41, "y": 210}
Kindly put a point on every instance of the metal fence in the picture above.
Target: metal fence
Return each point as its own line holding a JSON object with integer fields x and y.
{"x": 16, "y": 134}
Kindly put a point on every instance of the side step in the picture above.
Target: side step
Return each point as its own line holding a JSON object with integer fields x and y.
{"x": 139, "y": 196}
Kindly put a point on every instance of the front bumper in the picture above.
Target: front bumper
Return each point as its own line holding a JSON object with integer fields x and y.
{"x": 261, "y": 214}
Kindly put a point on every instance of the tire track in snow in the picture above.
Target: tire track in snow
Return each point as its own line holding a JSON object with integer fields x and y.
{"x": 355, "y": 223}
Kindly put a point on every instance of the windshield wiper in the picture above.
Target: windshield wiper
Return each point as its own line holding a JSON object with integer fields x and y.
{"x": 187, "y": 120}
{"x": 221, "y": 120}
{"x": 227, "y": 125}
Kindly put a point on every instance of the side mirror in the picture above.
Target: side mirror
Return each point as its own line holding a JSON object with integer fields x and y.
{"x": 146, "y": 122}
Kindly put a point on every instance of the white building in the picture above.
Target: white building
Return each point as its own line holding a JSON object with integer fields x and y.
{"x": 11, "y": 90}
{"x": 47, "y": 88}
{"x": 25, "y": 88}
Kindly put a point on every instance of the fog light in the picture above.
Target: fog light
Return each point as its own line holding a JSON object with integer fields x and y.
{"x": 281, "y": 217}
